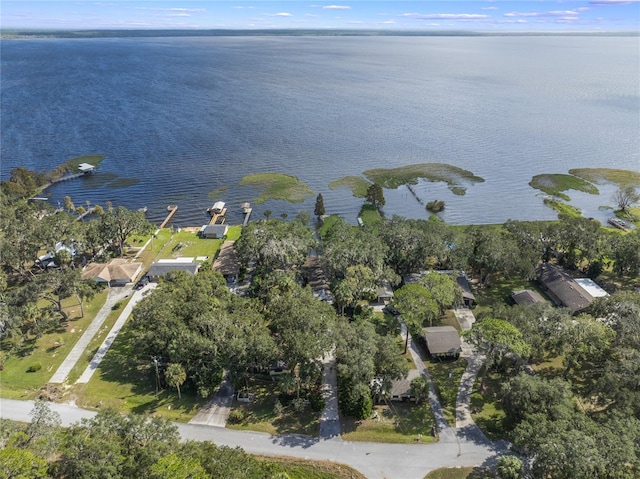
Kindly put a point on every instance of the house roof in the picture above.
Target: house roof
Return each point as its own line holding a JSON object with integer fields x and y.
{"x": 562, "y": 288}
{"x": 442, "y": 340}
{"x": 591, "y": 287}
{"x": 527, "y": 296}
{"x": 402, "y": 387}
{"x": 117, "y": 269}
{"x": 162, "y": 268}
{"x": 385, "y": 291}
{"x": 218, "y": 230}
{"x": 314, "y": 274}
{"x": 227, "y": 261}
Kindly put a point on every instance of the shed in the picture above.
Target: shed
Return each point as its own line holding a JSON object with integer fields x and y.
{"x": 214, "y": 231}
{"x": 161, "y": 268}
{"x": 443, "y": 341}
{"x": 562, "y": 288}
{"x": 527, "y": 296}
{"x": 116, "y": 272}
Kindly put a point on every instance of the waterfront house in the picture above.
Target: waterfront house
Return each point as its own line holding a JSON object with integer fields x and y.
{"x": 116, "y": 272}
{"x": 562, "y": 288}
{"x": 163, "y": 267}
{"x": 214, "y": 231}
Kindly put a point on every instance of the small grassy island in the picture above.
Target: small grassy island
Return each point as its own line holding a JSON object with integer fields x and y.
{"x": 278, "y": 186}
{"x": 451, "y": 175}
{"x": 622, "y": 178}
{"x": 556, "y": 184}
{"x": 356, "y": 184}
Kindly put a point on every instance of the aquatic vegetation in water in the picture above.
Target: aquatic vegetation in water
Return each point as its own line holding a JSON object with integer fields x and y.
{"x": 556, "y": 184}
{"x": 453, "y": 176}
{"x": 621, "y": 178}
{"x": 278, "y": 186}
{"x": 356, "y": 184}
{"x": 218, "y": 192}
{"x": 123, "y": 182}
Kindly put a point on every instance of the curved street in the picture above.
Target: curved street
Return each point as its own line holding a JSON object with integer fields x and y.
{"x": 375, "y": 461}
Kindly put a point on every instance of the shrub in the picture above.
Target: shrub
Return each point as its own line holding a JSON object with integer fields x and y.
{"x": 316, "y": 401}
{"x": 435, "y": 206}
{"x": 278, "y": 408}
{"x": 236, "y": 416}
{"x": 34, "y": 368}
{"x": 116, "y": 306}
{"x": 510, "y": 467}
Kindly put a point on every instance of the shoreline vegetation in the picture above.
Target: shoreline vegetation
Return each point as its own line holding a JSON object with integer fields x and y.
{"x": 277, "y": 186}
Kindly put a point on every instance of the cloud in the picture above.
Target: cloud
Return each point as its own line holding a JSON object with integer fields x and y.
{"x": 612, "y": 2}
{"x": 445, "y": 16}
{"x": 355, "y": 22}
{"x": 336, "y": 7}
{"x": 387, "y": 22}
{"x": 553, "y": 13}
{"x": 489, "y": 8}
{"x": 173, "y": 15}
{"x": 281, "y": 14}
{"x": 188, "y": 10}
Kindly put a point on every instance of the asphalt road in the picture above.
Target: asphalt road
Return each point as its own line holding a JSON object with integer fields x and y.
{"x": 375, "y": 461}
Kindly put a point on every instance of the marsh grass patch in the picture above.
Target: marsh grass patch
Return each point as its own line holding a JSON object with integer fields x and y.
{"x": 123, "y": 182}
{"x": 557, "y": 184}
{"x": 218, "y": 192}
{"x": 356, "y": 184}
{"x": 456, "y": 178}
{"x": 622, "y": 178}
{"x": 277, "y": 186}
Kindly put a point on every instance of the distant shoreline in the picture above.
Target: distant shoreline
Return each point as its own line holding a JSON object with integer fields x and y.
{"x": 9, "y": 34}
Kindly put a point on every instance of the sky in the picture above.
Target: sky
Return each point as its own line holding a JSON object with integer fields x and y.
{"x": 476, "y": 15}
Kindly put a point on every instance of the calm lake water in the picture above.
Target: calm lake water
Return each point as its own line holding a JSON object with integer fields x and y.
{"x": 178, "y": 118}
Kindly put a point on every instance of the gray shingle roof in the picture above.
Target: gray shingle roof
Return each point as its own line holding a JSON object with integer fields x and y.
{"x": 442, "y": 340}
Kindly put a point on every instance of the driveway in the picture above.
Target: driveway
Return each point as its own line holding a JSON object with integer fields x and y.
{"x": 216, "y": 412}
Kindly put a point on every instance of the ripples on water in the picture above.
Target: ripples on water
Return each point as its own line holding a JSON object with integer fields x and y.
{"x": 186, "y": 116}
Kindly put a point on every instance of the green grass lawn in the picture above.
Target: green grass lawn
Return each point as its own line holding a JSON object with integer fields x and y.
{"x": 486, "y": 411}
{"x": 326, "y": 225}
{"x": 277, "y": 186}
{"x": 452, "y": 473}
{"x": 499, "y": 292}
{"x": 397, "y": 422}
{"x": 186, "y": 243}
{"x": 557, "y": 184}
{"x": 356, "y": 184}
{"x": 370, "y": 216}
{"x": 125, "y": 384}
{"x": 446, "y": 377}
{"x": 259, "y": 414}
{"x": 49, "y": 351}
{"x": 563, "y": 209}
{"x": 307, "y": 469}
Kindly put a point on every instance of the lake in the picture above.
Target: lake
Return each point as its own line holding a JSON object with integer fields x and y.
{"x": 178, "y": 118}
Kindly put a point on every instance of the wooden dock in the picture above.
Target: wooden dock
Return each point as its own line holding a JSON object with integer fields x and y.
{"x": 216, "y": 216}
{"x": 247, "y": 214}
{"x": 172, "y": 211}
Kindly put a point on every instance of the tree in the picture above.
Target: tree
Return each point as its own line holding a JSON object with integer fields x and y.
{"x": 117, "y": 224}
{"x": 443, "y": 288}
{"x": 510, "y": 467}
{"x": 420, "y": 388}
{"x": 175, "y": 376}
{"x": 526, "y": 395}
{"x": 375, "y": 195}
{"x": 176, "y": 467}
{"x": 21, "y": 464}
{"x": 494, "y": 338}
{"x": 319, "y": 208}
{"x": 625, "y": 197}
{"x": 416, "y": 305}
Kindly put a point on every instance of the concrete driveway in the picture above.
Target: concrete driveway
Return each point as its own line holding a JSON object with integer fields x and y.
{"x": 216, "y": 412}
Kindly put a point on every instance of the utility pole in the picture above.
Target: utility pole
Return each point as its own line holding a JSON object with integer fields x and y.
{"x": 155, "y": 362}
